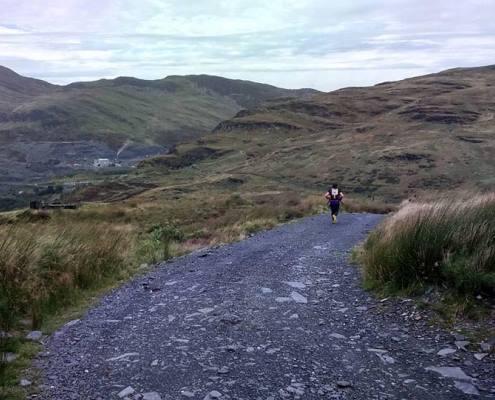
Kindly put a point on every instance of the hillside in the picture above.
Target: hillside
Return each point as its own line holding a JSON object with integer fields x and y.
{"x": 434, "y": 132}
{"x": 16, "y": 89}
{"x": 45, "y": 128}
{"x": 388, "y": 142}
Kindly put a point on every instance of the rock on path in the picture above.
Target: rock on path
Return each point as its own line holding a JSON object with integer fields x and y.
{"x": 278, "y": 316}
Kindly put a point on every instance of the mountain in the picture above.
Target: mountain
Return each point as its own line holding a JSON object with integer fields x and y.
{"x": 15, "y": 89}
{"x": 391, "y": 141}
{"x": 46, "y": 127}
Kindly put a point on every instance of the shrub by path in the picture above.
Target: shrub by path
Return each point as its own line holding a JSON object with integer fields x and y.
{"x": 280, "y": 315}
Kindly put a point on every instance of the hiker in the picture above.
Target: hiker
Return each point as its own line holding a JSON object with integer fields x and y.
{"x": 334, "y": 197}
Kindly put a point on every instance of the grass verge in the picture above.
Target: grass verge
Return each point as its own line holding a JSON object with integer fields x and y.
{"x": 446, "y": 245}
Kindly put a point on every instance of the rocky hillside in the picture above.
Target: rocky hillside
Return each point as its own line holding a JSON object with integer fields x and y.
{"x": 45, "y": 128}
{"x": 393, "y": 139}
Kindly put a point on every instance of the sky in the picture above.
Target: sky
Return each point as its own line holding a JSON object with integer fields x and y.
{"x": 324, "y": 44}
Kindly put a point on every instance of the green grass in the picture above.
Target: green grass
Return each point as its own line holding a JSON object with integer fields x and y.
{"x": 11, "y": 373}
{"x": 44, "y": 265}
{"x": 449, "y": 243}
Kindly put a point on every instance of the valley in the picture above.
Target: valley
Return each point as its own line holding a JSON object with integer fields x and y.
{"x": 48, "y": 131}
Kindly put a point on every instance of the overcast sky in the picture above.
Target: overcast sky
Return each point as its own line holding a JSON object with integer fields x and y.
{"x": 325, "y": 44}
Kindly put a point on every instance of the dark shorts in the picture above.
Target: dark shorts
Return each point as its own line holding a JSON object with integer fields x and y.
{"x": 334, "y": 206}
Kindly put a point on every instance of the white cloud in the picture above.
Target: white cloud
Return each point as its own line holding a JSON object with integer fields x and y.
{"x": 291, "y": 43}
{"x": 5, "y": 30}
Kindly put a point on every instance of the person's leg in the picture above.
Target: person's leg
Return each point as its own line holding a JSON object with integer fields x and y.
{"x": 332, "y": 215}
{"x": 335, "y": 210}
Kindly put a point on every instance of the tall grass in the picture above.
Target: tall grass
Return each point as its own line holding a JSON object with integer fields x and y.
{"x": 450, "y": 242}
{"x": 44, "y": 267}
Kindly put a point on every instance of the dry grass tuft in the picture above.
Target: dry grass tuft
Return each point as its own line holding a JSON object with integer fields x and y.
{"x": 44, "y": 267}
{"x": 448, "y": 242}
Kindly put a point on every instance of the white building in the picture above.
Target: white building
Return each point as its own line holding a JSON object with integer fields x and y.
{"x": 101, "y": 163}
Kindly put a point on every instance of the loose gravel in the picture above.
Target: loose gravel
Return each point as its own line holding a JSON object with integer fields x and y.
{"x": 281, "y": 315}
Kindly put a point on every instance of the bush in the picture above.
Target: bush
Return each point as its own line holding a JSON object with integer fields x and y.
{"x": 155, "y": 246}
{"x": 450, "y": 242}
{"x": 166, "y": 233}
{"x": 257, "y": 225}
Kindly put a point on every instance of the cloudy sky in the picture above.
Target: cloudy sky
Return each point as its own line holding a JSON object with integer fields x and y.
{"x": 325, "y": 44}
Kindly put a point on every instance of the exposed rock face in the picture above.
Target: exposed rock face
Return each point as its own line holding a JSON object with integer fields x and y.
{"x": 470, "y": 139}
{"x": 233, "y": 125}
{"x": 440, "y": 114}
{"x": 406, "y": 157}
{"x": 182, "y": 160}
{"x": 309, "y": 108}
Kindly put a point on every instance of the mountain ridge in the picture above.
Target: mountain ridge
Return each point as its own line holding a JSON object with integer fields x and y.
{"x": 99, "y": 117}
{"x": 38, "y": 101}
{"x": 394, "y": 140}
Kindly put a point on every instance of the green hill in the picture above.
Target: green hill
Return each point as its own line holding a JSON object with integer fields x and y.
{"x": 112, "y": 111}
{"x": 48, "y": 129}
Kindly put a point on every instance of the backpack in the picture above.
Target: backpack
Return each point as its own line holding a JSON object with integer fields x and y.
{"x": 335, "y": 194}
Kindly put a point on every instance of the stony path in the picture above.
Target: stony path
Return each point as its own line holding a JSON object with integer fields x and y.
{"x": 278, "y": 316}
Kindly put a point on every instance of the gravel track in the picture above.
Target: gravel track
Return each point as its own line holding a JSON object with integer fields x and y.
{"x": 281, "y": 315}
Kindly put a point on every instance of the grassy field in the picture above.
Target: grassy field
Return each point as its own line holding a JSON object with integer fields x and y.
{"x": 47, "y": 266}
